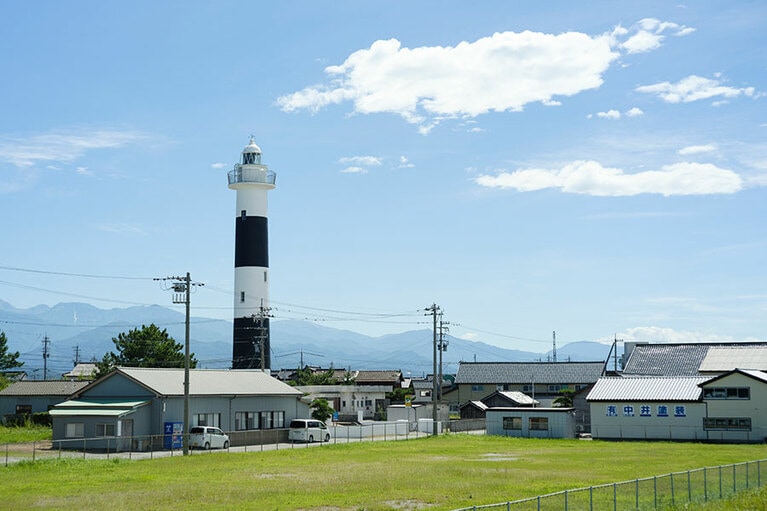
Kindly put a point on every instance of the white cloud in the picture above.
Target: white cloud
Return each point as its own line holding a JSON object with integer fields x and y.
{"x": 469, "y": 336}
{"x": 218, "y": 165}
{"x": 694, "y": 88}
{"x": 368, "y": 161}
{"x": 634, "y": 112}
{"x": 610, "y": 114}
{"x": 354, "y": 170}
{"x": 424, "y": 85}
{"x": 61, "y": 146}
{"x": 122, "y": 228}
{"x": 404, "y": 163}
{"x": 697, "y": 149}
{"x": 591, "y": 178}
{"x": 648, "y": 35}
{"x": 663, "y": 334}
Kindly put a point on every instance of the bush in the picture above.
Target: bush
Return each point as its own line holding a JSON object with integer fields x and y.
{"x": 19, "y": 420}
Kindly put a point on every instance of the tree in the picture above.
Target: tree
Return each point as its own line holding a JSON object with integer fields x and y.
{"x": 145, "y": 347}
{"x": 307, "y": 376}
{"x": 321, "y": 409}
{"x": 565, "y": 399}
{"x": 8, "y": 360}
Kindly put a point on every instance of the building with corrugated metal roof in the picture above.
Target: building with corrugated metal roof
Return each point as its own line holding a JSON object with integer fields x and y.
{"x": 723, "y": 408}
{"x": 131, "y": 404}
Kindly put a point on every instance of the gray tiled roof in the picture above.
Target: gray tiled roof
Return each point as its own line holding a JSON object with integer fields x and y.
{"x": 720, "y": 359}
{"x": 170, "y": 382}
{"x": 673, "y": 359}
{"x": 648, "y": 388}
{"x": 43, "y": 388}
{"x": 528, "y": 372}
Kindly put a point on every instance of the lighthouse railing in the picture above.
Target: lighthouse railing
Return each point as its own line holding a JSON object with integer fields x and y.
{"x": 242, "y": 174}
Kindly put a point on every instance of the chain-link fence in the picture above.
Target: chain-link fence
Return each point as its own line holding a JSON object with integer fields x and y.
{"x": 151, "y": 446}
{"x": 659, "y": 492}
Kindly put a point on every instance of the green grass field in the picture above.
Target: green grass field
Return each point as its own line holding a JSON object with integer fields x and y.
{"x": 29, "y": 433}
{"x": 448, "y": 472}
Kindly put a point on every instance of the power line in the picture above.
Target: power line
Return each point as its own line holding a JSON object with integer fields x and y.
{"x": 64, "y": 274}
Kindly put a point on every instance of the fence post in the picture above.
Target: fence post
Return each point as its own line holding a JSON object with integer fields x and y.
{"x": 565, "y": 500}
{"x": 747, "y": 475}
{"x": 591, "y": 498}
{"x": 720, "y": 481}
{"x": 655, "y": 491}
{"x": 705, "y": 485}
{"x": 734, "y": 485}
{"x": 6, "y": 455}
{"x": 34, "y": 449}
{"x": 673, "y": 500}
{"x": 615, "y": 497}
{"x": 689, "y": 488}
{"x": 83, "y": 448}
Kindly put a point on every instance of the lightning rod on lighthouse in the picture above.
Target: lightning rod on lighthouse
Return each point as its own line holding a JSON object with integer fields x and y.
{"x": 251, "y": 180}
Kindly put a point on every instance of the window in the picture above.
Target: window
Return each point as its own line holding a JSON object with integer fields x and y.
{"x": 23, "y": 409}
{"x": 527, "y": 388}
{"x": 425, "y": 393}
{"x": 514, "y": 423}
{"x": 727, "y": 393}
{"x": 245, "y": 420}
{"x": 242, "y": 296}
{"x": 207, "y": 419}
{"x": 727, "y": 423}
{"x": 539, "y": 423}
{"x": 477, "y": 388}
{"x": 75, "y": 430}
{"x": 557, "y": 388}
{"x": 105, "y": 429}
{"x": 266, "y": 420}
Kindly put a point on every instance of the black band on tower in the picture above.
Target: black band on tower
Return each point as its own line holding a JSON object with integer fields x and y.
{"x": 251, "y": 242}
{"x": 249, "y": 334}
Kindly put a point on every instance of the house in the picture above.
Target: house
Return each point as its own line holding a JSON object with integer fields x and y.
{"x": 82, "y": 371}
{"x": 499, "y": 398}
{"x": 26, "y": 397}
{"x": 541, "y": 381}
{"x": 530, "y": 422}
{"x": 352, "y": 402}
{"x": 131, "y": 406}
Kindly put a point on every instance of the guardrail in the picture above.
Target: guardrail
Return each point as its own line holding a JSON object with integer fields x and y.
{"x": 658, "y": 492}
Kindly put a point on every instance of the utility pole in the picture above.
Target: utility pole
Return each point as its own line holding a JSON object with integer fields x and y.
{"x": 77, "y": 355}
{"x": 46, "y": 356}
{"x": 443, "y": 331}
{"x": 182, "y": 288}
{"x": 554, "y": 352}
{"x": 263, "y": 313}
{"x": 434, "y": 310}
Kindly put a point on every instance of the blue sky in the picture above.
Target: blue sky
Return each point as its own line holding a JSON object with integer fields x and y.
{"x": 590, "y": 168}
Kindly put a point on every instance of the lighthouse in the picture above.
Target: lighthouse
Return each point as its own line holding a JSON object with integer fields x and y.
{"x": 251, "y": 180}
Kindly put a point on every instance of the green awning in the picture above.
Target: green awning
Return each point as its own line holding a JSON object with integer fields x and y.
{"x": 96, "y": 407}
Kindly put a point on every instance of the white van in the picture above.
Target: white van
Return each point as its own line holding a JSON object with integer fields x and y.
{"x": 308, "y": 430}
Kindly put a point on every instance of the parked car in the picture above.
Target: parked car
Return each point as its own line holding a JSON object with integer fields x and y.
{"x": 207, "y": 437}
{"x": 308, "y": 430}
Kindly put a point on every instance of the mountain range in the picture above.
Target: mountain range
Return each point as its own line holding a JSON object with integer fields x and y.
{"x": 80, "y": 331}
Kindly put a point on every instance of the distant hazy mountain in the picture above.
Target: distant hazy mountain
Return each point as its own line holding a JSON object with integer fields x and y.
{"x": 89, "y": 330}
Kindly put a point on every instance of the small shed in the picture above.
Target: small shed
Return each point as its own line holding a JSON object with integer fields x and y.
{"x": 531, "y": 422}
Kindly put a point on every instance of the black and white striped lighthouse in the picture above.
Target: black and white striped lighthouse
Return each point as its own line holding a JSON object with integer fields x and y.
{"x": 252, "y": 180}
